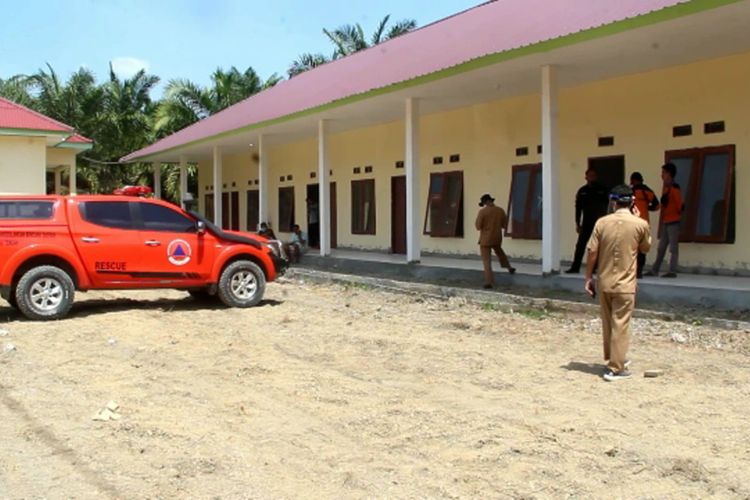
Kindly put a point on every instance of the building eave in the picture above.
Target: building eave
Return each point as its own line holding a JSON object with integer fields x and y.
{"x": 665, "y": 14}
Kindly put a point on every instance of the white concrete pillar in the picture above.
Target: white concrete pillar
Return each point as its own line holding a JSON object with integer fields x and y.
{"x": 58, "y": 180}
{"x": 550, "y": 173}
{"x": 411, "y": 165}
{"x": 72, "y": 182}
{"x": 183, "y": 180}
{"x": 324, "y": 189}
{"x": 263, "y": 193}
{"x": 217, "y": 185}
{"x": 157, "y": 179}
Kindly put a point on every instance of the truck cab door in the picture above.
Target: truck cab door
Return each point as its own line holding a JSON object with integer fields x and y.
{"x": 174, "y": 254}
{"x": 107, "y": 239}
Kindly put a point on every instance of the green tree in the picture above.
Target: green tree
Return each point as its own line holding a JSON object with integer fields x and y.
{"x": 351, "y": 38}
{"x": 17, "y": 89}
{"x": 124, "y": 125}
{"x": 185, "y": 102}
{"x": 306, "y": 62}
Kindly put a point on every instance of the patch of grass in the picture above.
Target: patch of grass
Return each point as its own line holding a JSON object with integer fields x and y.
{"x": 489, "y": 306}
{"x": 361, "y": 286}
{"x": 533, "y": 313}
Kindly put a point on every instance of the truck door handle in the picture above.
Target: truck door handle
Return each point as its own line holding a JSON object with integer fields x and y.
{"x": 153, "y": 243}
{"x": 89, "y": 239}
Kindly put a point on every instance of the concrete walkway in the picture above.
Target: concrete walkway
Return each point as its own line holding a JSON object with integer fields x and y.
{"x": 720, "y": 292}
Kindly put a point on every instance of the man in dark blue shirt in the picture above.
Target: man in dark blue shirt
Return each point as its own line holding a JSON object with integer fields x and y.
{"x": 592, "y": 200}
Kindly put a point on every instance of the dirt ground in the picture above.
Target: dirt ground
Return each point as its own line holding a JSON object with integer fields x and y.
{"x": 328, "y": 391}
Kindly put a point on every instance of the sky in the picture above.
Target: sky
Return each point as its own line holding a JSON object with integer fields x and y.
{"x": 186, "y": 38}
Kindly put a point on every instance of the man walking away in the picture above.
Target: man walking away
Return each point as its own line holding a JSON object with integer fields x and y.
{"x": 645, "y": 201}
{"x": 669, "y": 232}
{"x": 490, "y": 223}
{"x": 614, "y": 244}
{"x": 591, "y": 203}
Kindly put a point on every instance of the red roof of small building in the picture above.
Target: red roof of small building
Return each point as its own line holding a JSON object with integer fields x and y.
{"x": 493, "y": 27}
{"x": 14, "y": 115}
{"x": 78, "y": 139}
{"x": 18, "y": 117}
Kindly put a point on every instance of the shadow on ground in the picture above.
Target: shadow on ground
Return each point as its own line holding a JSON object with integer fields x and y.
{"x": 588, "y": 368}
{"x": 84, "y": 308}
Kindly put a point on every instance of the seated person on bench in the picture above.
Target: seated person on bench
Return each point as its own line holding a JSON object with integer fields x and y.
{"x": 297, "y": 246}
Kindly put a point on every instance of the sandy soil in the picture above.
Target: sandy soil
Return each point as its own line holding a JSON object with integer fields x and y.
{"x": 333, "y": 392}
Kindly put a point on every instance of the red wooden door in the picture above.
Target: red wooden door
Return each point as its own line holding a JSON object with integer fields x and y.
{"x": 334, "y": 217}
{"x": 230, "y": 211}
{"x": 398, "y": 214}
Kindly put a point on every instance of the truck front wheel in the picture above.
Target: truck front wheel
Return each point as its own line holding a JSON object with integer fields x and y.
{"x": 242, "y": 284}
{"x": 45, "y": 293}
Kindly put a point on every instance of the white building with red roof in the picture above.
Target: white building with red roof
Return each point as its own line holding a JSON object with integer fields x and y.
{"x": 33, "y": 148}
{"x": 389, "y": 149}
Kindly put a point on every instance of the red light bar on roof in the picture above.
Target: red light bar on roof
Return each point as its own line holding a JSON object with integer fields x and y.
{"x": 133, "y": 191}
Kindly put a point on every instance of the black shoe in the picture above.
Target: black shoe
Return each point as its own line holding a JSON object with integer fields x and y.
{"x": 487, "y": 287}
{"x": 512, "y": 270}
{"x": 669, "y": 275}
{"x": 572, "y": 271}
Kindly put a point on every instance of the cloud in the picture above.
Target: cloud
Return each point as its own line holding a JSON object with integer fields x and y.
{"x": 126, "y": 67}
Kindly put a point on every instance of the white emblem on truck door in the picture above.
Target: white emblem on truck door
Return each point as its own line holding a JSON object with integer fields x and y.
{"x": 179, "y": 252}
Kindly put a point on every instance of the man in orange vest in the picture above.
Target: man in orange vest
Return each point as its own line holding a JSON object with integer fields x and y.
{"x": 645, "y": 201}
{"x": 671, "y": 214}
{"x": 491, "y": 220}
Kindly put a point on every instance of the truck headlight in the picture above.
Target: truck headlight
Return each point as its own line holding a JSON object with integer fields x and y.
{"x": 275, "y": 247}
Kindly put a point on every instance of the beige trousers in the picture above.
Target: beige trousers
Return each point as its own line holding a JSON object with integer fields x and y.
{"x": 486, "y": 252}
{"x": 616, "y": 311}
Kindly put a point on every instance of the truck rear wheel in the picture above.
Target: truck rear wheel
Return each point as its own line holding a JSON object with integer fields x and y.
{"x": 242, "y": 284}
{"x": 45, "y": 293}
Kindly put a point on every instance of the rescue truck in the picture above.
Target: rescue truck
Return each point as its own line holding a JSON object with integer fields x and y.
{"x": 52, "y": 246}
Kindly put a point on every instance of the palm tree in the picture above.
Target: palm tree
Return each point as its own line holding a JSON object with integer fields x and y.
{"x": 306, "y": 62}
{"x": 17, "y": 89}
{"x": 124, "y": 125}
{"x": 348, "y": 39}
{"x": 185, "y": 102}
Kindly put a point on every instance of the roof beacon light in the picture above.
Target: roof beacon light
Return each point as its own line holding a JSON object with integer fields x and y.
{"x": 140, "y": 191}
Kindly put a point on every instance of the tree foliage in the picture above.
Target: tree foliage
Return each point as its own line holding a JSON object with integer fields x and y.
{"x": 121, "y": 116}
{"x": 351, "y": 38}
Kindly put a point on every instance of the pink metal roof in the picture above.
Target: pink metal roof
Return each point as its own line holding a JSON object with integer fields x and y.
{"x": 78, "y": 139}
{"x": 493, "y": 27}
{"x": 14, "y": 115}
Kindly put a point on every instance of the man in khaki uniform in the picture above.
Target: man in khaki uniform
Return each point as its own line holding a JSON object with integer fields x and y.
{"x": 614, "y": 247}
{"x": 490, "y": 223}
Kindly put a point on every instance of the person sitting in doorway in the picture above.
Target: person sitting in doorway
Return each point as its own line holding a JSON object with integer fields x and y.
{"x": 295, "y": 248}
{"x": 266, "y": 231}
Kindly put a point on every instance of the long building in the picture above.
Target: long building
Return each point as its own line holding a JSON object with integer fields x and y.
{"x": 390, "y": 149}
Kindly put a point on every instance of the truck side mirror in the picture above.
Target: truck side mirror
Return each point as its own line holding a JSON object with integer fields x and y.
{"x": 200, "y": 227}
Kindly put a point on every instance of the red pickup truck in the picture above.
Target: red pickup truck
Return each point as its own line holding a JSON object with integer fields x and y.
{"x": 51, "y": 246}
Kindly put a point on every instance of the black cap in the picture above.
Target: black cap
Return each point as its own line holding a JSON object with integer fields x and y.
{"x": 622, "y": 194}
{"x": 484, "y": 199}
